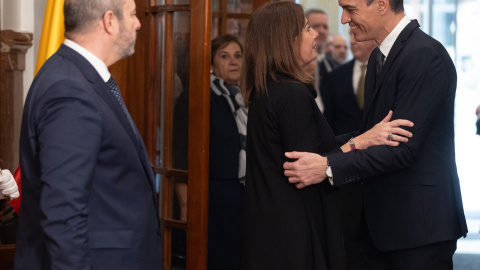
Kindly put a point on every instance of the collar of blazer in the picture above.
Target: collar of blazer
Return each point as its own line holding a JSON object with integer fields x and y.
{"x": 103, "y": 91}
{"x": 99, "y": 85}
{"x": 394, "y": 52}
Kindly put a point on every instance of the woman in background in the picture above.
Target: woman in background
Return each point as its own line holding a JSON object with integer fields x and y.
{"x": 228, "y": 127}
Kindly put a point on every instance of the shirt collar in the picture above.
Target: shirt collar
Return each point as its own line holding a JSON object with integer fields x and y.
{"x": 387, "y": 44}
{"x": 98, "y": 64}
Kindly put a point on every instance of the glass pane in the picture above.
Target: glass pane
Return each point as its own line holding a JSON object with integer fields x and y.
{"x": 239, "y": 25}
{"x": 215, "y": 28}
{"x": 157, "y": 2}
{"x": 181, "y": 2}
{"x": 419, "y": 10}
{"x": 444, "y": 21}
{"x": 181, "y": 36}
{"x": 239, "y": 6}
{"x": 160, "y": 81}
{"x": 215, "y": 5}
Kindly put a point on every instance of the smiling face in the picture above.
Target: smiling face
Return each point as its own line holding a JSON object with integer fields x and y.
{"x": 365, "y": 21}
{"x": 308, "y": 46}
{"x": 227, "y": 63}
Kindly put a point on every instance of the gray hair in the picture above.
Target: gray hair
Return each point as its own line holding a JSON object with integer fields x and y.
{"x": 315, "y": 11}
{"x": 80, "y": 15}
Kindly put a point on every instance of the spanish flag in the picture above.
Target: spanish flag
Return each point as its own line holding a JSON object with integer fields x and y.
{"x": 52, "y": 32}
{"x": 50, "y": 40}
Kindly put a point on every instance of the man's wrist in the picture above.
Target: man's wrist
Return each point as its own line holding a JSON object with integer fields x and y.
{"x": 352, "y": 144}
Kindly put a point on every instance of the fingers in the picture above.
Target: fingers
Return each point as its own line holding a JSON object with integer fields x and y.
{"x": 300, "y": 185}
{"x": 402, "y": 122}
{"x": 294, "y": 154}
{"x": 15, "y": 195}
{"x": 5, "y": 175}
{"x": 9, "y": 191}
{"x": 7, "y": 184}
{"x": 402, "y": 132}
{"x": 388, "y": 117}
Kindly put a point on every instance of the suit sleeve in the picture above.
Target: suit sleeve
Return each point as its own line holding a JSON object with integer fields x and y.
{"x": 69, "y": 133}
{"x": 422, "y": 87}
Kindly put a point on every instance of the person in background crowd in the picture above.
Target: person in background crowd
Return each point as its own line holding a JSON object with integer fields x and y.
{"x": 228, "y": 130}
{"x": 478, "y": 120}
{"x": 338, "y": 49}
{"x": 228, "y": 127}
{"x": 88, "y": 190}
{"x": 413, "y": 212}
{"x": 345, "y": 89}
{"x": 318, "y": 21}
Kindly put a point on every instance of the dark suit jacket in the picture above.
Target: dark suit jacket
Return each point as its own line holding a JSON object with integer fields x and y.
{"x": 88, "y": 191}
{"x": 478, "y": 126}
{"x": 341, "y": 110}
{"x": 412, "y": 192}
{"x": 324, "y": 67}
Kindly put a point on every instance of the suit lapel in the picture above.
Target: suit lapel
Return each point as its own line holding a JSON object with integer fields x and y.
{"x": 103, "y": 91}
{"x": 376, "y": 82}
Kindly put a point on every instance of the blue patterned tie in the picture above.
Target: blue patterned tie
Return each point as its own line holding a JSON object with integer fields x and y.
{"x": 116, "y": 92}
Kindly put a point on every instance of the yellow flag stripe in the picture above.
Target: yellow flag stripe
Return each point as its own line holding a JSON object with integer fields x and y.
{"x": 52, "y": 32}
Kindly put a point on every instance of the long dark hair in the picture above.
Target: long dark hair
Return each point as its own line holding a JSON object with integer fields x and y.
{"x": 272, "y": 47}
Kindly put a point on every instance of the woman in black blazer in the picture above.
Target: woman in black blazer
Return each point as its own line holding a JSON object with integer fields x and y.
{"x": 286, "y": 227}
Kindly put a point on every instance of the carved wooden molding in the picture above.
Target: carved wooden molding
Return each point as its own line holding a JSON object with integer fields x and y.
{"x": 13, "y": 47}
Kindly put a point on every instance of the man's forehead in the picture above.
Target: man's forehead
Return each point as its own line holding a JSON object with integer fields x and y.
{"x": 349, "y": 3}
{"x": 317, "y": 17}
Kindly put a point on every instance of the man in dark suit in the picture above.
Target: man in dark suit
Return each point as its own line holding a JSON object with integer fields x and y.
{"x": 344, "y": 87}
{"x": 88, "y": 192}
{"x": 412, "y": 201}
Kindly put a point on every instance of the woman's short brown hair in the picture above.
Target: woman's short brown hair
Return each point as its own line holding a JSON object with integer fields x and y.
{"x": 272, "y": 47}
{"x": 221, "y": 42}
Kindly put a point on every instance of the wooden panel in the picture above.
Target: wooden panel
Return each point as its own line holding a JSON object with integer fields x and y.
{"x": 199, "y": 129}
{"x": 12, "y": 65}
{"x": 7, "y": 253}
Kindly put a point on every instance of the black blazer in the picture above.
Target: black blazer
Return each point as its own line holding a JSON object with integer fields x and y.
{"x": 342, "y": 111}
{"x": 412, "y": 192}
{"x": 88, "y": 190}
{"x": 277, "y": 215}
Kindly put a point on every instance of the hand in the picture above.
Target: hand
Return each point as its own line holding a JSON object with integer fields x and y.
{"x": 8, "y": 186}
{"x": 378, "y": 135}
{"x": 308, "y": 169}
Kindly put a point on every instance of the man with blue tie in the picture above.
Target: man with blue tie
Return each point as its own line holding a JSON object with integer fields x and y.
{"x": 88, "y": 192}
{"x": 413, "y": 211}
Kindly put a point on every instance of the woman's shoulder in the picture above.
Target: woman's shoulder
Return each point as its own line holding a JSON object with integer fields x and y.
{"x": 289, "y": 87}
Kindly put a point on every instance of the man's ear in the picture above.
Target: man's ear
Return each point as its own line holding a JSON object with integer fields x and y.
{"x": 109, "y": 20}
{"x": 383, "y": 6}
